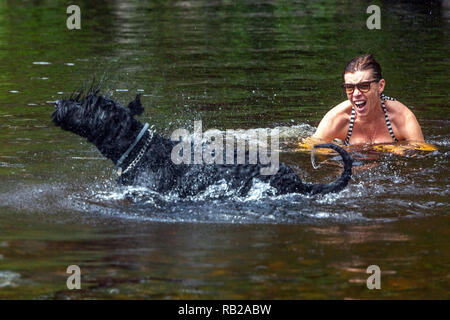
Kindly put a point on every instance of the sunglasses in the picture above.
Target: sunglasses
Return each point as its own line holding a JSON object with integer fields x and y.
{"x": 362, "y": 86}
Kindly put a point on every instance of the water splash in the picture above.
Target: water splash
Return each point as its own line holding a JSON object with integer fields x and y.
{"x": 383, "y": 188}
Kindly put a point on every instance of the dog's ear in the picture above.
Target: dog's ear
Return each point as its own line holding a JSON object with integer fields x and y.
{"x": 135, "y": 106}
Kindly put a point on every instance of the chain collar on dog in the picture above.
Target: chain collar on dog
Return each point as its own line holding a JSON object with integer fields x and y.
{"x": 118, "y": 167}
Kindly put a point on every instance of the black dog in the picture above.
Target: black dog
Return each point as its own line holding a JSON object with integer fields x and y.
{"x": 144, "y": 157}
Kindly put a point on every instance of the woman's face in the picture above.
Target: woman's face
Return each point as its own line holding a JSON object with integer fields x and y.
{"x": 364, "y": 102}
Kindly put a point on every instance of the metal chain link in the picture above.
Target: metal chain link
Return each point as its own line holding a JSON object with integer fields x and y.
{"x": 140, "y": 154}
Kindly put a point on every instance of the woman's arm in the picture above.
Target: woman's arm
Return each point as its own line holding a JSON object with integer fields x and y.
{"x": 412, "y": 131}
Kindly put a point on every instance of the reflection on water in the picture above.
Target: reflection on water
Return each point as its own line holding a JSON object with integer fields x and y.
{"x": 246, "y": 64}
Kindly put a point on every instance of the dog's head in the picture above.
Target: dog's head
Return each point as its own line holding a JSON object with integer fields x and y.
{"x": 84, "y": 114}
{"x": 101, "y": 120}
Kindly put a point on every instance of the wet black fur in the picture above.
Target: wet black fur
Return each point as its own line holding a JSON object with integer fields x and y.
{"x": 112, "y": 128}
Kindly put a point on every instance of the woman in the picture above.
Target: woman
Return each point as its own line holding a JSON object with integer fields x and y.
{"x": 368, "y": 117}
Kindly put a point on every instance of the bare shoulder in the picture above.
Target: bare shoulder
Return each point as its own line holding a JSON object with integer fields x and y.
{"x": 404, "y": 122}
{"x": 335, "y": 122}
{"x": 399, "y": 114}
{"x": 340, "y": 112}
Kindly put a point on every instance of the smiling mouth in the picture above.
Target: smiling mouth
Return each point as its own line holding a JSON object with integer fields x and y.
{"x": 360, "y": 104}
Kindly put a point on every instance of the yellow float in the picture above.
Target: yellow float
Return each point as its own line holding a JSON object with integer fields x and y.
{"x": 399, "y": 148}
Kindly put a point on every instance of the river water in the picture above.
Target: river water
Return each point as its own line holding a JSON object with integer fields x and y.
{"x": 231, "y": 64}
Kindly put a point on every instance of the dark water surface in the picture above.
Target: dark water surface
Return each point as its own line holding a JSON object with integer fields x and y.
{"x": 231, "y": 64}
